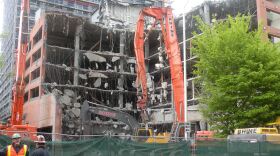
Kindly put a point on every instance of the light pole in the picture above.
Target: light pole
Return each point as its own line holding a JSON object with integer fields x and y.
{"x": 185, "y": 72}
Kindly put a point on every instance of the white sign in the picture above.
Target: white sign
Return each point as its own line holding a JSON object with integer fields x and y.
{"x": 246, "y": 131}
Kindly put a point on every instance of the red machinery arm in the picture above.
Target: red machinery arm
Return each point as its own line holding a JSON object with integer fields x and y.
{"x": 19, "y": 86}
{"x": 165, "y": 17}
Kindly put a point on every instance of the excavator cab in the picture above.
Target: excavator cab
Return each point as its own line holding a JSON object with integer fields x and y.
{"x": 176, "y": 134}
{"x": 148, "y": 136}
{"x": 204, "y": 135}
{"x": 275, "y": 124}
{"x": 143, "y": 134}
{"x": 27, "y": 132}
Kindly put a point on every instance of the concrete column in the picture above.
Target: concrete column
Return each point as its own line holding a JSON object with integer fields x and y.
{"x": 77, "y": 54}
{"x": 121, "y": 78}
{"x": 206, "y": 14}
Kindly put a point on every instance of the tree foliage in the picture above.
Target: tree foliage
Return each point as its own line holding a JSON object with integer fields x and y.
{"x": 239, "y": 73}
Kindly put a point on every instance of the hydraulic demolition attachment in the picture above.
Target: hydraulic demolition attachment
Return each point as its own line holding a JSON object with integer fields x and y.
{"x": 165, "y": 18}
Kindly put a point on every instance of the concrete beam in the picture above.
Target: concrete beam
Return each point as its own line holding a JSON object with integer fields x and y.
{"x": 77, "y": 53}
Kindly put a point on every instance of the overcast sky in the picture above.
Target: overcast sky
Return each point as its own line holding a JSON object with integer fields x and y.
{"x": 177, "y": 5}
{"x": 1, "y": 20}
{"x": 1, "y": 16}
{"x": 180, "y": 5}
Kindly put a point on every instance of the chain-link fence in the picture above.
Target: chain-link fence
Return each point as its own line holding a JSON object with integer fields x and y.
{"x": 116, "y": 145}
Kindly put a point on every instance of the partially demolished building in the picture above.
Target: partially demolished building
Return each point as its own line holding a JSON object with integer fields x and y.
{"x": 72, "y": 59}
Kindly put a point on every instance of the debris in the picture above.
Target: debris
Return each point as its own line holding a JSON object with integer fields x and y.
{"x": 128, "y": 106}
{"x": 96, "y": 65}
{"x": 120, "y": 84}
{"x": 69, "y": 92}
{"x": 65, "y": 100}
{"x": 54, "y": 84}
{"x": 83, "y": 76}
{"x": 131, "y": 69}
{"x": 159, "y": 66}
{"x": 97, "y": 118}
{"x": 126, "y": 127}
{"x": 108, "y": 66}
{"x": 164, "y": 85}
{"x": 97, "y": 83}
{"x": 78, "y": 98}
{"x": 57, "y": 92}
{"x": 71, "y": 114}
{"x": 132, "y": 61}
{"x": 76, "y": 112}
{"x": 94, "y": 57}
{"x": 134, "y": 84}
{"x": 149, "y": 81}
{"x": 106, "y": 85}
{"x": 77, "y": 105}
{"x": 96, "y": 74}
{"x": 115, "y": 58}
{"x": 68, "y": 68}
{"x": 71, "y": 125}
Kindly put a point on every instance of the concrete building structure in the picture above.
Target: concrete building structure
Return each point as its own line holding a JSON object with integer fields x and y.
{"x": 11, "y": 31}
{"x": 269, "y": 17}
{"x": 76, "y": 60}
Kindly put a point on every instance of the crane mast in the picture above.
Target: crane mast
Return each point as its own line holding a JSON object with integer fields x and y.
{"x": 19, "y": 86}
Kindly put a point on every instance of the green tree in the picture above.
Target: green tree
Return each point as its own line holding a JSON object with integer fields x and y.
{"x": 239, "y": 75}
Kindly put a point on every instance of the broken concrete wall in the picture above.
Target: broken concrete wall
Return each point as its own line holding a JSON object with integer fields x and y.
{"x": 121, "y": 14}
{"x": 210, "y": 11}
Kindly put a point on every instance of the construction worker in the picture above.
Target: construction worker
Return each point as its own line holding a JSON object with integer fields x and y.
{"x": 16, "y": 148}
{"x": 41, "y": 149}
{"x": 2, "y": 153}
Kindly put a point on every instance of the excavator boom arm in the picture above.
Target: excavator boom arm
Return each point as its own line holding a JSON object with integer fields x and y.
{"x": 165, "y": 17}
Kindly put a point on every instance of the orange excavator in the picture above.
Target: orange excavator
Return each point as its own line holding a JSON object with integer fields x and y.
{"x": 15, "y": 125}
{"x": 165, "y": 18}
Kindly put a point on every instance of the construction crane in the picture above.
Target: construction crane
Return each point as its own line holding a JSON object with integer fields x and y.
{"x": 15, "y": 124}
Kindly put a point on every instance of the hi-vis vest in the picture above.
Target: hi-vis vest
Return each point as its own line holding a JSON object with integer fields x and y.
{"x": 11, "y": 151}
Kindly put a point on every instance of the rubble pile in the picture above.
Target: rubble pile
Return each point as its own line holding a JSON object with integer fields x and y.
{"x": 71, "y": 111}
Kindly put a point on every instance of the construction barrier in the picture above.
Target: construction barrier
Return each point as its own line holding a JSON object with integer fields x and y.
{"x": 126, "y": 146}
{"x": 107, "y": 146}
